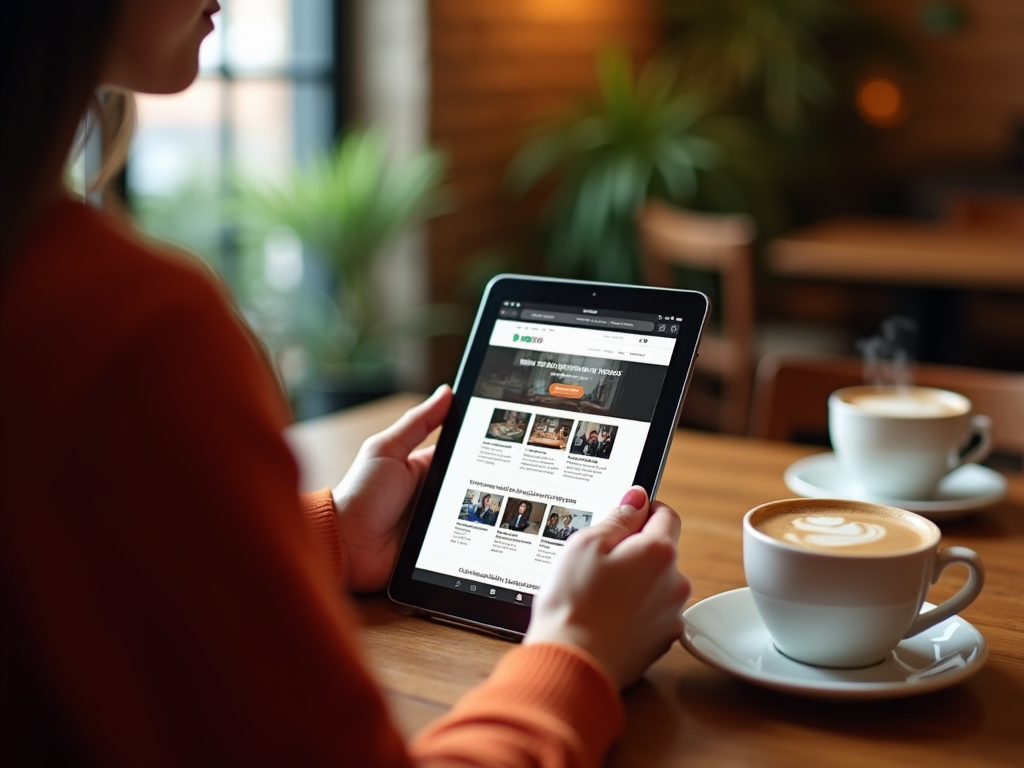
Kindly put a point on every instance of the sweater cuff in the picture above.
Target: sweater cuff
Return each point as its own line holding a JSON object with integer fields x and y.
{"x": 322, "y": 521}
{"x": 545, "y": 695}
{"x": 572, "y": 685}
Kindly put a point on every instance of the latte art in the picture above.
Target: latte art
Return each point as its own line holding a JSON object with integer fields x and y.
{"x": 832, "y": 531}
{"x": 847, "y": 529}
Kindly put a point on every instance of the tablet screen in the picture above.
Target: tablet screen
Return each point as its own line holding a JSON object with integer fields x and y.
{"x": 552, "y": 434}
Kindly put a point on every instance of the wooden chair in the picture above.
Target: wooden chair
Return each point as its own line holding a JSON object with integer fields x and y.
{"x": 791, "y": 395}
{"x": 985, "y": 212}
{"x": 720, "y": 244}
{"x": 987, "y": 315}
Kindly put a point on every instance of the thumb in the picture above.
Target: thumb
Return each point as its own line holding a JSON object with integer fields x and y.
{"x": 625, "y": 519}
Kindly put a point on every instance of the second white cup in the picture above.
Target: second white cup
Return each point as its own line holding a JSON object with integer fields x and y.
{"x": 899, "y": 442}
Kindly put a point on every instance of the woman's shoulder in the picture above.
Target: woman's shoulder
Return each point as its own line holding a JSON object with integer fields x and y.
{"x": 88, "y": 268}
{"x": 88, "y": 293}
{"x": 77, "y": 245}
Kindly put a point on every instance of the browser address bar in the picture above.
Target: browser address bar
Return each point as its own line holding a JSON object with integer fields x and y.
{"x": 589, "y": 321}
{"x": 588, "y": 342}
{"x": 592, "y": 337}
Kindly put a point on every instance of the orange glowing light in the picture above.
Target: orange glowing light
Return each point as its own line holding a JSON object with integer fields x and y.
{"x": 880, "y": 103}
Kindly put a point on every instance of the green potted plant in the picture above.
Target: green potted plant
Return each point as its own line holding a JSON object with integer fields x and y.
{"x": 770, "y": 55}
{"x": 789, "y": 66}
{"x": 639, "y": 137}
{"x": 346, "y": 207}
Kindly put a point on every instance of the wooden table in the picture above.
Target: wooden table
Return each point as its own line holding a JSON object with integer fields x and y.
{"x": 901, "y": 252}
{"x": 687, "y": 714}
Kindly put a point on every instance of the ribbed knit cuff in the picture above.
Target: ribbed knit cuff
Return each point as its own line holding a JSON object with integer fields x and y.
{"x": 318, "y": 508}
{"x": 571, "y": 685}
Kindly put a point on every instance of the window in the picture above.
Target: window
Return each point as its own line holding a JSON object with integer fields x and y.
{"x": 264, "y": 101}
{"x": 267, "y": 98}
{"x": 270, "y": 96}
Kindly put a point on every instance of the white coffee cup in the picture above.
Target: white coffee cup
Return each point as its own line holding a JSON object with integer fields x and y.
{"x": 899, "y": 442}
{"x": 848, "y": 585}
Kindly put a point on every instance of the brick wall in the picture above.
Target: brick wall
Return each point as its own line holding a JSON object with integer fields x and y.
{"x": 968, "y": 92}
{"x": 496, "y": 66}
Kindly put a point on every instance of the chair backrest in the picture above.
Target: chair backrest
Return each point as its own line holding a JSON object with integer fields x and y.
{"x": 975, "y": 211}
{"x": 791, "y": 394}
{"x": 719, "y": 243}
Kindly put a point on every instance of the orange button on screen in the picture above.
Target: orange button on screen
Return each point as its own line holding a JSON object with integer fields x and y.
{"x": 572, "y": 391}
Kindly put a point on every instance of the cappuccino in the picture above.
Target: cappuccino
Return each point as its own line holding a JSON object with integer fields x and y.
{"x": 908, "y": 402}
{"x": 839, "y": 583}
{"x": 844, "y": 530}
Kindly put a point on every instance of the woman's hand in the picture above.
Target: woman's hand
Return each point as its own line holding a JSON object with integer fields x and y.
{"x": 615, "y": 592}
{"x": 374, "y": 499}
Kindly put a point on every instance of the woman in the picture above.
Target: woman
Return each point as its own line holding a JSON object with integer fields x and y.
{"x": 520, "y": 520}
{"x": 168, "y": 597}
{"x": 551, "y": 526}
{"x": 482, "y": 512}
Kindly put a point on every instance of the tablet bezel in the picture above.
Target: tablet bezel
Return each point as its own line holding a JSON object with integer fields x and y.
{"x": 499, "y": 616}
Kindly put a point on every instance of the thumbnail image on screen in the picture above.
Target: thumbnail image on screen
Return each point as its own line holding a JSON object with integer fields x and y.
{"x": 551, "y": 432}
{"x": 480, "y": 507}
{"x": 594, "y": 439}
{"x": 561, "y": 522}
{"x": 523, "y": 515}
{"x": 508, "y": 426}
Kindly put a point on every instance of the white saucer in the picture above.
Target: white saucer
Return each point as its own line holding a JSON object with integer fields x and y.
{"x": 726, "y": 632}
{"x": 965, "y": 489}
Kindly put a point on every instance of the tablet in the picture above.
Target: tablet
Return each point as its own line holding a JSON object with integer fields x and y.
{"x": 568, "y": 394}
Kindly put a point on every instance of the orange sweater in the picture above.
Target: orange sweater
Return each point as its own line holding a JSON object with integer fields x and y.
{"x": 165, "y": 600}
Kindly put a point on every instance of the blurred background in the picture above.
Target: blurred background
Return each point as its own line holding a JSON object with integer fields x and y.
{"x": 356, "y": 171}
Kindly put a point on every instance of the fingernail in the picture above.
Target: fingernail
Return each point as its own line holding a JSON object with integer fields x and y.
{"x": 635, "y": 497}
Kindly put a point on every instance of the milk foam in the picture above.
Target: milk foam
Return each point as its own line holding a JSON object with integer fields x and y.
{"x": 907, "y": 406}
{"x": 832, "y": 531}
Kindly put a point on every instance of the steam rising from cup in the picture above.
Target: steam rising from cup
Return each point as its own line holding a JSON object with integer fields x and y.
{"x": 887, "y": 358}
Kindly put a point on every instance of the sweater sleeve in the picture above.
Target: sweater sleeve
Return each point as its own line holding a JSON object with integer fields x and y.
{"x": 173, "y": 592}
{"x": 321, "y": 519}
{"x": 544, "y": 705}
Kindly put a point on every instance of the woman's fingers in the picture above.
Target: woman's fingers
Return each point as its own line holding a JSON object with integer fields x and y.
{"x": 617, "y": 592}
{"x": 623, "y": 521}
{"x": 402, "y": 437}
{"x": 663, "y": 522}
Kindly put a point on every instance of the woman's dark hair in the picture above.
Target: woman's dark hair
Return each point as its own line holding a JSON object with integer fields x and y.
{"x": 51, "y": 59}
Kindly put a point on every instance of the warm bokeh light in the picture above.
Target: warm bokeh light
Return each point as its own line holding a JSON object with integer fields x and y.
{"x": 561, "y": 10}
{"x": 880, "y": 102}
